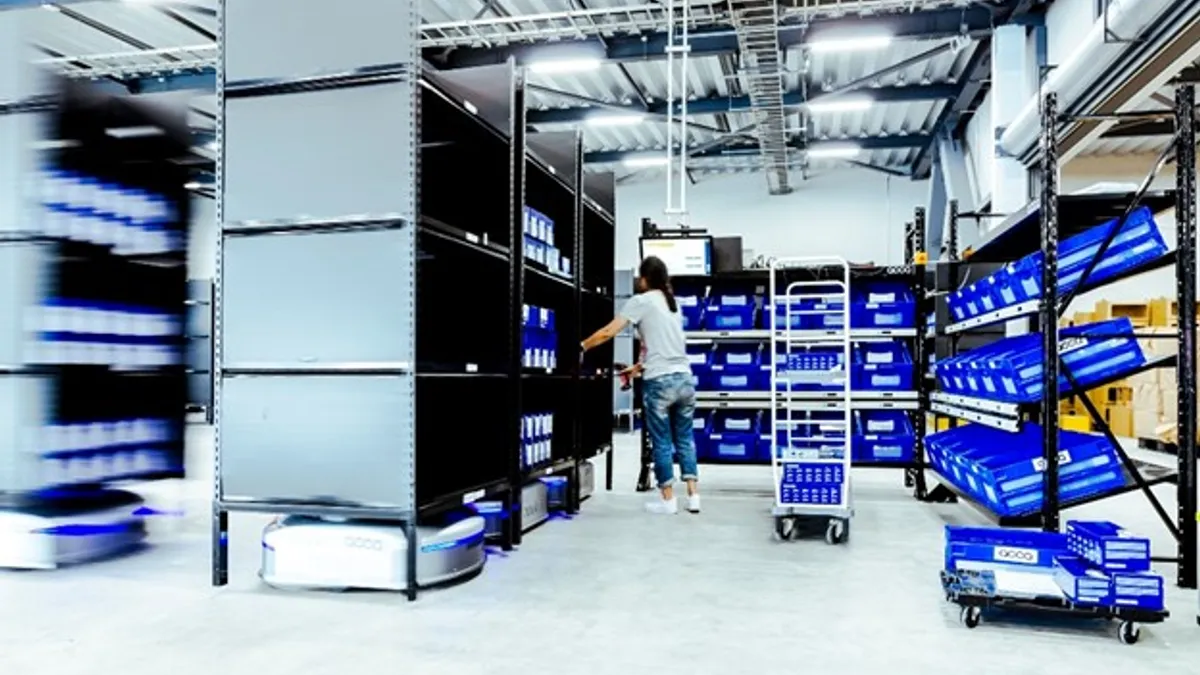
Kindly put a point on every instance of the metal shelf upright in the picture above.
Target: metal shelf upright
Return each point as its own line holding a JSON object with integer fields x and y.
{"x": 1039, "y": 227}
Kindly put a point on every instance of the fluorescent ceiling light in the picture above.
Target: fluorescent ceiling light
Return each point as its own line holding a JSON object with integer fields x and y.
{"x": 645, "y": 162}
{"x": 51, "y": 7}
{"x": 834, "y": 152}
{"x": 565, "y": 66}
{"x": 860, "y": 43}
{"x": 840, "y": 104}
{"x": 615, "y": 119}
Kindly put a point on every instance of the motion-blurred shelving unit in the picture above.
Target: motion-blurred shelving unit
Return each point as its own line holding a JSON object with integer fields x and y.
{"x": 93, "y": 232}
{"x": 1011, "y": 461}
{"x": 397, "y": 342}
{"x": 729, "y": 341}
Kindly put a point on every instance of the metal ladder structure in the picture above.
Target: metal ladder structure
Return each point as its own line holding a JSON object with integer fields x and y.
{"x": 811, "y": 467}
{"x": 757, "y": 25}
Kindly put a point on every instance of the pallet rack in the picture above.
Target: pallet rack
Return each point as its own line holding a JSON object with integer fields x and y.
{"x": 759, "y": 279}
{"x": 1038, "y": 227}
{"x": 369, "y": 332}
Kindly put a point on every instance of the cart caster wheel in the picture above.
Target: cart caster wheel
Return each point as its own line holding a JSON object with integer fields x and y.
{"x": 1129, "y": 632}
{"x": 970, "y": 616}
{"x": 785, "y": 528}
{"x": 837, "y": 532}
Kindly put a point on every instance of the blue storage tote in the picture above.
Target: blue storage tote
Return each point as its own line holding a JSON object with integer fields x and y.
{"x": 734, "y": 435}
{"x": 1108, "y": 546}
{"x": 701, "y": 429}
{"x": 738, "y": 367}
{"x": 730, "y": 311}
{"x": 817, "y": 483}
{"x": 1081, "y": 583}
{"x": 882, "y": 366}
{"x": 817, "y": 434}
{"x": 883, "y": 436}
{"x": 883, "y": 305}
{"x": 692, "y": 305}
{"x": 1004, "y": 470}
{"x": 810, "y": 369}
{"x": 1002, "y": 546}
{"x": 700, "y": 359}
{"x": 1138, "y": 590}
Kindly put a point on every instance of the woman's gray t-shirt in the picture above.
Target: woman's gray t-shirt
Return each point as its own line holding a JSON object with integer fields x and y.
{"x": 661, "y": 331}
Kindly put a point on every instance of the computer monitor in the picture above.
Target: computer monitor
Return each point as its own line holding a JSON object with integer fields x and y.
{"x": 684, "y": 256}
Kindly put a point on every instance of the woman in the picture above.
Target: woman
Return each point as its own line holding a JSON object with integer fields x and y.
{"x": 668, "y": 396}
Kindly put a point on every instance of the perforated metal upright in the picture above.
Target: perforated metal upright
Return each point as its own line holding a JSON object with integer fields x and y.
{"x": 317, "y": 202}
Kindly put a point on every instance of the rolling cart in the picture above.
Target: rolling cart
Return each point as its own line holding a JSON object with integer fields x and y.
{"x": 809, "y": 323}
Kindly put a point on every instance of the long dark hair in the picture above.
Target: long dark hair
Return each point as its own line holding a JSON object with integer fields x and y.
{"x": 654, "y": 275}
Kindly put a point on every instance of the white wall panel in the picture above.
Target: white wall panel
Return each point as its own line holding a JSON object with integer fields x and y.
{"x": 858, "y": 214}
{"x": 980, "y": 142}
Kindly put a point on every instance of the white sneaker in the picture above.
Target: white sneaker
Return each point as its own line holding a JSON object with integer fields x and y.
{"x": 663, "y": 506}
{"x": 693, "y": 503}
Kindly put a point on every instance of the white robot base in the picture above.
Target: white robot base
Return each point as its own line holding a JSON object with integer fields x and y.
{"x": 301, "y": 552}
{"x": 47, "y": 533}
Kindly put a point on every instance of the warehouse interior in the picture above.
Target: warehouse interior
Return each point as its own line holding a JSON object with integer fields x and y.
{"x": 935, "y": 262}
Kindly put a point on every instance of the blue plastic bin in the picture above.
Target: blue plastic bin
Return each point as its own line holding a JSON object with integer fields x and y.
{"x": 883, "y": 436}
{"x": 692, "y": 305}
{"x": 883, "y": 305}
{"x": 1108, "y": 546}
{"x": 810, "y": 369}
{"x": 1138, "y": 590}
{"x": 730, "y": 311}
{"x": 1002, "y": 546}
{"x": 1081, "y": 583}
{"x": 738, "y": 367}
{"x": 1004, "y": 470}
{"x": 700, "y": 359}
{"x": 882, "y": 366}
{"x": 735, "y": 435}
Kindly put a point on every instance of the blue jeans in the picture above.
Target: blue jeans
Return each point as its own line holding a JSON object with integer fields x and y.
{"x": 669, "y": 403}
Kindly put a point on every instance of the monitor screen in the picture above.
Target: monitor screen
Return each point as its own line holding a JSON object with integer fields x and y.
{"x": 684, "y": 256}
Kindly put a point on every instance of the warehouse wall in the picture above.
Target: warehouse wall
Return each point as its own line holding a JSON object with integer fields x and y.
{"x": 855, "y": 213}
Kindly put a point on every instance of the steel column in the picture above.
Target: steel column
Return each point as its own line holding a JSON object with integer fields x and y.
{"x": 1048, "y": 313}
{"x": 1185, "y": 224}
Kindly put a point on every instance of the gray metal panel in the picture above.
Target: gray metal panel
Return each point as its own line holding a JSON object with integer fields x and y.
{"x": 300, "y": 38}
{"x": 21, "y": 279}
{"x": 319, "y": 155}
{"x": 311, "y": 299}
{"x": 25, "y": 405}
{"x": 311, "y": 438}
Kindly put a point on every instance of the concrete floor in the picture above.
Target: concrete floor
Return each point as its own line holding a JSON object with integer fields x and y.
{"x": 613, "y": 591}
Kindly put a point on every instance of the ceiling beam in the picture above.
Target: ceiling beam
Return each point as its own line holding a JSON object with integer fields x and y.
{"x": 752, "y": 150}
{"x": 977, "y": 20}
{"x": 976, "y": 75}
{"x": 715, "y": 105}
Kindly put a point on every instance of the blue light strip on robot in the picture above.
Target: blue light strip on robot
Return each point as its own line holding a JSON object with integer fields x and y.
{"x": 467, "y": 541}
{"x": 87, "y": 530}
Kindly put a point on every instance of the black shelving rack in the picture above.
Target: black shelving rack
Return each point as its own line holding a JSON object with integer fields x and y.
{"x": 758, "y": 280}
{"x": 1039, "y": 227}
{"x": 394, "y": 390}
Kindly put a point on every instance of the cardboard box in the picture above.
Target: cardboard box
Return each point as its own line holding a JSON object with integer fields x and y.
{"x": 1120, "y": 420}
{"x": 1138, "y": 313}
{"x": 1161, "y": 312}
{"x": 1074, "y": 422}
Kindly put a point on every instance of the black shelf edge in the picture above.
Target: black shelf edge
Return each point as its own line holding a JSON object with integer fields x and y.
{"x": 540, "y": 271}
{"x": 544, "y": 469}
{"x": 1152, "y": 473}
{"x": 608, "y": 218}
{"x": 502, "y": 135}
{"x": 445, "y": 232}
{"x": 535, "y": 160}
{"x": 463, "y": 497}
{"x": 1021, "y": 231}
{"x": 1030, "y": 307}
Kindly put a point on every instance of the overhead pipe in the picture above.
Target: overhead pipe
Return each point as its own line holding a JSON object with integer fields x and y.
{"x": 1105, "y": 44}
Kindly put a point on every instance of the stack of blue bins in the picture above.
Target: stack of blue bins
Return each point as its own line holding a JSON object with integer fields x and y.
{"x": 700, "y": 358}
{"x": 883, "y": 436}
{"x": 882, "y": 366}
{"x": 1003, "y": 470}
{"x": 1108, "y": 566}
{"x": 1138, "y": 241}
{"x": 730, "y": 310}
{"x": 816, "y": 368}
{"x": 539, "y": 338}
{"x": 737, "y": 366}
{"x": 1094, "y": 564}
{"x": 1010, "y": 370}
{"x": 883, "y": 305}
{"x": 735, "y": 436}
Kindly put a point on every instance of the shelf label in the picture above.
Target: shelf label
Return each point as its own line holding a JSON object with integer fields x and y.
{"x": 473, "y": 496}
{"x": 474, "y": 239}
{"x": 472, "y": 368}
